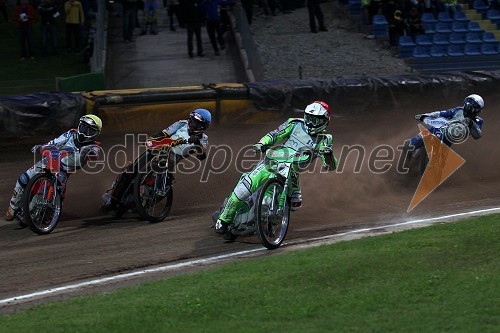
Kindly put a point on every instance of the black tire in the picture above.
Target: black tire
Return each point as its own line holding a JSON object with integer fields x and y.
{"x": 265, "y": 228}
{"x": 139, "y": 202}
{"x": 32, "y": 218}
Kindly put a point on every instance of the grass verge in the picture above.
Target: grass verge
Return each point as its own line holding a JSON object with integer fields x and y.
{"x": 443, "y": 278}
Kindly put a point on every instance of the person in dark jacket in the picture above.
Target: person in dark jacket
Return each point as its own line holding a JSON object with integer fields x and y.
{"x": 48, "y": 13}
{"x": 24, "y": 16}
{"x": 194, "y": 20}
{"x": 211, "y": 11}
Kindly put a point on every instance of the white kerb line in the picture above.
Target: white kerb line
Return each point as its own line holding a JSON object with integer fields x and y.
{"x": 214, "y": 259}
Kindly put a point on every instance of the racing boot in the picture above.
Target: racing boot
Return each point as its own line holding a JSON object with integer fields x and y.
{"x": 10, "y": 214}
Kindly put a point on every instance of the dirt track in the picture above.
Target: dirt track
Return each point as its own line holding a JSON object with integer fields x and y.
{"x": 89, "y": 244}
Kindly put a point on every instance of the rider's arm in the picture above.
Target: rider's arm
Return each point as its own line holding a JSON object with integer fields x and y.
{"x": 201, "y": 149}
{"x": 279, "y": 134}
{"x": 475, "y": 128}
{"x": 60, "y": 140}
{"x": 325, "y": 148}
{"x": 167, "y": 132}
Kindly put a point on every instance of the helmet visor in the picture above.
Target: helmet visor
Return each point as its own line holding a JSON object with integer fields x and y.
{"x": 196, "y": 123}
{"x": 87, "y": 130}
{"x": 313, "y": 121}
{"x": 472, "y": 106}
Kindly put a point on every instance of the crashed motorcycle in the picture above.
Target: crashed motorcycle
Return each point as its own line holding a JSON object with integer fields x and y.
{"x": 267, "y": 211}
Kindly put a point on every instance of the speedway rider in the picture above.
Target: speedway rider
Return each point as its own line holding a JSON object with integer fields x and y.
{"x": 466, "y": 115}
{"x": 299, "y": 134}
{"x": 82, "y": 140}
{"x": 191, "y": 130}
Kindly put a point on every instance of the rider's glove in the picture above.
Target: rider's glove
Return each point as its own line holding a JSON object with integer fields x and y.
{"x": 194, "y": 139}
{"x": 36, "y": 148}
{"x": 259, "y": 148}
{"x": 325, "y": 150}
{"x": 420, "y": 117}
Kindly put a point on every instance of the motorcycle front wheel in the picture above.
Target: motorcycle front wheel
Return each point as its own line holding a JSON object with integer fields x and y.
{"x": 272, "y": 223}
{"x": 41, "y": 208}
{"x": 151, "y": 203}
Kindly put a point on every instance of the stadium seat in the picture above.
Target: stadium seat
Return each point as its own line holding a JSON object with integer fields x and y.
{"x": 473, "y": 38}
{"x": 461, "y": 17}
{"x": 489, "y": 38}
{"x": 456, "y": 50}
{"x": 428, "y": 18}
{"x": 472, "y": 49}
{"x": 438, "y": 51}
{"x": 380, "y": 26}
{"x": 429, "y": 28}
{"x": 493, "y": 15}
{"x": 457, "y": 39}
{"x": 420, "y": 52}
{"x": 406, "y": 46}
{"x": 445, "y": 17}
{"x": 423, "y": 40}
{"x": 442, "y": 28}
{"x": 488, "y": 49}
{"x": 459, "y": 27}
{"x": 474, "y": 27}
{"x": 440, "y": 39}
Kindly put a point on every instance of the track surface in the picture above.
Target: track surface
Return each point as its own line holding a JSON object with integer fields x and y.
{"x": 88, "y": 244}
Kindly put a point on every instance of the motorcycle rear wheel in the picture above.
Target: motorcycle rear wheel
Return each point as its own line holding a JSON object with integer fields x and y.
{"x": 271, "y": 226}
{"x": 39, "y": 214}
{"x": 147, "y": 200}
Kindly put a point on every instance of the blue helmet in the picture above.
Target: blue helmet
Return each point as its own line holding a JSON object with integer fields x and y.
{"x": 199, "y": 120}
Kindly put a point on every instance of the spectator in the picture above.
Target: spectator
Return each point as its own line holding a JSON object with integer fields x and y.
{"x": 24, "y": 16}
{"x": 150, "y": 17}
{"x": 370, "y": 9}
{"x": 395, "y": 17}
{"x": 315, "y": 12}
{"x": 129, "y": 15}
{"x": 3, "y": 8}
{"x": 225, "y": 21}
{"x": 48, "y": 14}
{"x": 173, "y": 9}
{"x": 74, "y": 24}
{"x": 413, "y": 24}
{"x": 211, "y": 11}
{"x": 89, "y": 49}
{"x": 194, "y": 21}
{"x": 450, "y": 6}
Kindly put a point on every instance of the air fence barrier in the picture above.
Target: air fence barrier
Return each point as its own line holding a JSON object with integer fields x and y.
{"x": 139, "y": 110}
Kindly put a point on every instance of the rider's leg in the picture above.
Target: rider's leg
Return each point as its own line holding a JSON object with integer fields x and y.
{"x": 15, "y": 200}
{"x": 247, "y": 185}
{"x": 296, "y": 193}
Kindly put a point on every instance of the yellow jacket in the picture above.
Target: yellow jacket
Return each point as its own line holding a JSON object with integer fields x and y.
{"x": 74, "y": 12}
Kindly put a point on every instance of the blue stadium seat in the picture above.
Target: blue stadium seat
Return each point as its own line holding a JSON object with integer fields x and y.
{"x": 406, "y": 46}
{"x": 457, "y": 39}
{"x": 480, "y": 6}
{"x": 423, "y": 40}
{"x": 474, "y": 27}
{"x": 429, "y": 28}
{"x": 421, "y": 52}
{"x": 459, "y": 27}
{"x": 445, "y": 17}
{"x": 473, "y": 38}
{"x": 472, "y": 49}
{"x": 428, "y": 18}
{"x": 461, "y": 17}
{"x": 442, "y": 28}
{"x": 438, "y": 51}
{"x": 380, "y": 26}
{"x": 489, "y": 38}
{"x": 456, "y": 50}
{"x": 493, "y": 15}
{"x": 440, "y": 39}
{"x": 489, "y": 49}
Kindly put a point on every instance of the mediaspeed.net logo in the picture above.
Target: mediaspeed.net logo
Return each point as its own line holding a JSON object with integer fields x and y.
{"x": 443, "y": 162}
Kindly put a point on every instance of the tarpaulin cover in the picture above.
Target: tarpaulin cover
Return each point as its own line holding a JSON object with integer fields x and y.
{"x": 359, "y": 94}
{"x": 41, "y": 113}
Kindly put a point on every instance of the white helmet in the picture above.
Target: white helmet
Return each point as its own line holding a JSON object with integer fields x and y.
{"x": 473, "y": 105}
{"x": 316, "y": 117}
{"x": 89, "y": 127}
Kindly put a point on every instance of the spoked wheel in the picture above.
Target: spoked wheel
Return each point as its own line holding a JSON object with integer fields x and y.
{"x": 153, "y": 196}
{"x": 41, "y": 206}
{"x": 272, "y": 222}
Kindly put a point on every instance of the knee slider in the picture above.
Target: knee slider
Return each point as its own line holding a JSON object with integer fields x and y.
{"x": 295, "y": 200}
{"x": 243, "y": 188}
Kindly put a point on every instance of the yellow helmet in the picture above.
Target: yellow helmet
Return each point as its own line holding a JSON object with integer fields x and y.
{"x": 89, "y": 127}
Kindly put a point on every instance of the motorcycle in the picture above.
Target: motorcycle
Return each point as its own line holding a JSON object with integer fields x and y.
{"x": 267, "y": 211}
{"x": 44, "y": 194}
{"x": 150, "y": 193}
{"x": 448, "y": 132}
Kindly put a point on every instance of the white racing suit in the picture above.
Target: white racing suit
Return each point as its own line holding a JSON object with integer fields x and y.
{"x": 178, "y": 130}
{"x": 69, "y": 164}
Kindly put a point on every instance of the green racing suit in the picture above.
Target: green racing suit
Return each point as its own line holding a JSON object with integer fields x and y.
{"x": 293, "y": 134}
